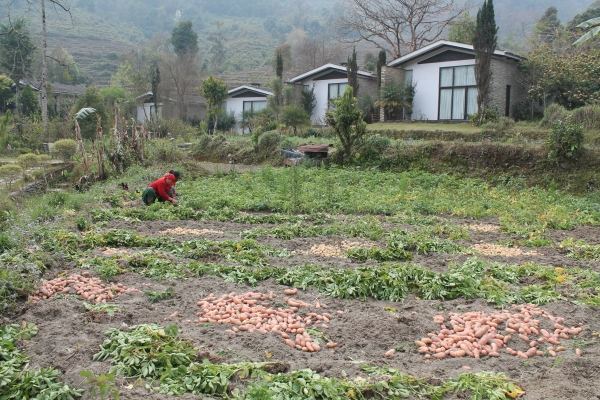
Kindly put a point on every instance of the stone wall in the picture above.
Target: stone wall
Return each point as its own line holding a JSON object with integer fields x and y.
{"x": 505, "y": 72}
{"x": 41, "y": 185}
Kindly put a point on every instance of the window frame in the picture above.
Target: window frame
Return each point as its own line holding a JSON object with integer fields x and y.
{"x": 452, "y": 88}
{"x": 252, "y": 105}
{"x": 338, "y": 90}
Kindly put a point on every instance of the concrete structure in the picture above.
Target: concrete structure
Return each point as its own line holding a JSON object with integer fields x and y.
{"x": 444, "y": 77}
{"x": 245, "y": 98}
{"x": 329, "y": 82}
{"x": 144, "y": 110}
{"x": 192, "y": 110}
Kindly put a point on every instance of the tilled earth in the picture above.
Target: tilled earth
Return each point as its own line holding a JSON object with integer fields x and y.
{"x": 69, "y": 335}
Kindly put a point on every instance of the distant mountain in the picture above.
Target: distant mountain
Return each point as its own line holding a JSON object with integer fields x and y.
{"x": 100, "y": 30}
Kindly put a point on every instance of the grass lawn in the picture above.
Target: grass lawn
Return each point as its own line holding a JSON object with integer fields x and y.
{"x": 464, "y": 127}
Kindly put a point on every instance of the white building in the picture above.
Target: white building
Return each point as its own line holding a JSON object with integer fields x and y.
{"x": 444, "y": 76}
{"x": 329, "y": 82}
{"x": 246, "y": 98}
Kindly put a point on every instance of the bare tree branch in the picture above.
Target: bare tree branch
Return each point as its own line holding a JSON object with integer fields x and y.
{"x": 398, "y": 26}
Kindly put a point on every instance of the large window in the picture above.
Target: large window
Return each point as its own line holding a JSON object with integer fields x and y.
{"x": 458, "y": 92}
{"x": 336, "y": 90}
{"x": 254, "y": 106}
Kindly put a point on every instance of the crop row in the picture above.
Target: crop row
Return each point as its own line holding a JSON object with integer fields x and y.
{"x": 168, "y": 365}
{"x": 476, "y": 278}
{"x": 17, "y": 380}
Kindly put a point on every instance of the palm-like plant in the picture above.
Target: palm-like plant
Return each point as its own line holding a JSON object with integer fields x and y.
{"x": 594, "y": 29}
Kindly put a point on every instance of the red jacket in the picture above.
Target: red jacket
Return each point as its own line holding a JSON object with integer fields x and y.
{"x": 161, "y": 188}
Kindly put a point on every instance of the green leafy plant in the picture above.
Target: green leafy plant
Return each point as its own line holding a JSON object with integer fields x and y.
{"x": 17, "y": 381}
{"x": 156, "y": 296}
{"x": 109, "y": 309}
{"x": 101, "y": 386}
{"x": 565, "y": 141}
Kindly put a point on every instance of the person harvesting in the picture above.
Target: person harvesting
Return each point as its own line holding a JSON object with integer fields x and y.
{"x": 159, "y": 189}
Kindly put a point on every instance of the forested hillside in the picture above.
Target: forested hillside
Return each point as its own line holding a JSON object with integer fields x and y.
{"x": 243, "y": 32}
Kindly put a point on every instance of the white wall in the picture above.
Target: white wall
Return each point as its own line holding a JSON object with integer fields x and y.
{"x": 236, "y": 104}
{"x": 427, "y": 80}
{"x": 141, "y": 117}
{"x": 322, "y": 94}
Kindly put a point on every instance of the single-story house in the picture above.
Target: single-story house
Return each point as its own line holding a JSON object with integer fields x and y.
{"x": 144, "y": 110}
{"x": 193, "y": 108}
{"x": 329, "y": 82}
{"x": 245, "y": 99}
{"x": 444, "y": 76}
{"x": 64, "y": 95}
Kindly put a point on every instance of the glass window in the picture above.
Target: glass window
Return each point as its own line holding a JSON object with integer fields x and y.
{"x": 336, "y": 90}
{"x": 408, "y": 77}
{"x": 254, "y": 106}
{"x": 458, "y": 92}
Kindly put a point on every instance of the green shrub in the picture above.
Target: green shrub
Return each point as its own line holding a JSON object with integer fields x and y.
{"x": 491, "y": 114}
{"x": 554, "y": 112}
{"x": 28, "y": 160}
{"x": 502, "y": 125}
{"x": 588, "y": 116}
{"x": 64, "y": 148}
{"x": 565, "y": 141}
{"x": 10, "y": 173}
{"x": 225, "y": 121}
{"x": 269, "y": 141}
{"x": 176, "y": 127}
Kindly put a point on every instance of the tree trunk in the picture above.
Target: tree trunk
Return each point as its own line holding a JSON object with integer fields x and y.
{"x": 215, "y": 127}
{"x": 44, "y": 74}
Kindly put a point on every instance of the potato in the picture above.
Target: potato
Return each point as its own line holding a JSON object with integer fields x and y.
{"x": 390, "y": 353}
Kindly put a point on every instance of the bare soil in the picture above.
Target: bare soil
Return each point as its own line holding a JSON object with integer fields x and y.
{"x": 69, "y": 336}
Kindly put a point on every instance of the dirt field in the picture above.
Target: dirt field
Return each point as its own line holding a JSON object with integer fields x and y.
{"x": 365, "y": 331}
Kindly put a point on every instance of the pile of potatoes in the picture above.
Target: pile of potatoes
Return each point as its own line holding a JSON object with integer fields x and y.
{"x": 484, "y": 228}
{"x": 91, "y": 289}
{"x": 250, "y": 312}
{"x": 490, "y": 249}
{"x": 186, "y": 231}
{"x": 109, "y": 251}
{"x": 476, "y": 334}
{"x": 338, "y": 251}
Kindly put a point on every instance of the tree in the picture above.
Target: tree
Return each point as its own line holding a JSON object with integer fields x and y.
{"x": 398, "y": 25}
{"x": 275, "y": 102}
{"x": 28, "y": 101}
{"x": 215, "y": 92}
{"x": 217, "y": 51}
{"x": 62, "y": 67}
{"x": 308, "y": 99}
{"x": 184, "y": 39}
{"x": 346, "y": 120}
{"x": 182, "y": 70}
{"x": 381, "y": 62}
{"x": 155, "y": 81}
{"x": 484, "y": 43}
{"x": 64, "y": 148}
{"x": 546, "y": 29}
{"x": 394, "y": 97}
{"x": 352, "y": 69}
{"x": 6, "y": 93}
{"x": 311, "y": 53}
{"x": 570, "y": 80}
{"x": 295, "y": 117}
{"x": 10, "y": 173}
{"x": 92, "y": 98}
{"x": 463, "y": 30}
{"x": 370, "y": 63}
{"x": 17, "y": 50}
{"x": 279, "y": 64}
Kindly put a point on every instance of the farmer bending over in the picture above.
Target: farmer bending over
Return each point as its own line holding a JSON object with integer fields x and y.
{"x": 173, "y": 192}
{"x": 159, "y": 189}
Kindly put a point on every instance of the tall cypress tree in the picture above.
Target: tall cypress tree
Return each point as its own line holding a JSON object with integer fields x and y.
{"x": 484, "y": 43}
{"x": 279, "y": 64}
{"x": 381, "y": 61}
{"x": 352, "y": 69}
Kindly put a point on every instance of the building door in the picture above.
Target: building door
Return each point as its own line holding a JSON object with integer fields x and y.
{"x": 507, "y": 109}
